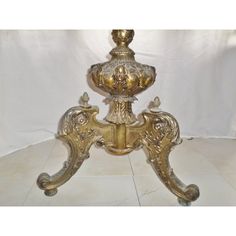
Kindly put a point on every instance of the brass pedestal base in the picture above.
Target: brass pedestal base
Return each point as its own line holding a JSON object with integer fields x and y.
{"x": 157, "y": 132}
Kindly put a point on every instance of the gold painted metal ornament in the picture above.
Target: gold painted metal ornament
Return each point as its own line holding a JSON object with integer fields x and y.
{"x": 157, "y": 132}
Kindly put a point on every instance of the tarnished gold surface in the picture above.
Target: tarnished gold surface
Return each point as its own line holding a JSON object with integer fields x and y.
{"x": 157, "y": 132}
{"x": 122, "y": 75}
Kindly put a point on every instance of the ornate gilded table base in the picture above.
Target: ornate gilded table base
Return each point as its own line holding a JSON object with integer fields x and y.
{"x": 155, "y": 131}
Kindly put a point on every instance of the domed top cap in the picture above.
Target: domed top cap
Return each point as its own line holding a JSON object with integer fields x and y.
{"x": 122, "y": 37}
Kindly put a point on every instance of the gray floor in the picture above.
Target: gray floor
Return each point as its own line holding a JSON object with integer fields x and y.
{"x": 105, "y": 180}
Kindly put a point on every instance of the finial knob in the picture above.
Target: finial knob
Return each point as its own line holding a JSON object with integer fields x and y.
{"x": 122, "y": 37}
{"x": 84, "y": 100}
{"x": 154, "y": 105}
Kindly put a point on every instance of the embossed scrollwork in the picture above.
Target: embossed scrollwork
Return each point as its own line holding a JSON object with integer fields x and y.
{"x": 158, "y": 140}
{"x": 121, "y": 132}
{"x": 77, "y": 132}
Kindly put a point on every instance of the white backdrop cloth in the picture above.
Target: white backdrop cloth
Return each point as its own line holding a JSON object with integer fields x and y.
{"x": 43, "y": 73}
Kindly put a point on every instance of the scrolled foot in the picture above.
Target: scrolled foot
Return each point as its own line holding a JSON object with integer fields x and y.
{"x": 192, "y": 192}
{"x": 43, "y": 180}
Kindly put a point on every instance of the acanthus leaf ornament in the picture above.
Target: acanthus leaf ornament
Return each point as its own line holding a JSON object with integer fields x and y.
{"x": 121, "y": 132}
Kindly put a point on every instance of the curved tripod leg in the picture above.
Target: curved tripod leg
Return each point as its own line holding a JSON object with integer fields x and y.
{"x": 159, "y": 138}
{"x": 76, "y": 130}
{"x": 50, "y": 183}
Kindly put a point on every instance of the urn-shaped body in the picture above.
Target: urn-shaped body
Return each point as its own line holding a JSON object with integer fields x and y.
{"x": 122, "y": 75}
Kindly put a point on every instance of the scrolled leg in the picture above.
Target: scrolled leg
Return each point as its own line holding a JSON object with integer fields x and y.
{"x": 50, "y": 183}
{"x": 160, "y": 137}
{"x": 77, "y": 130}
